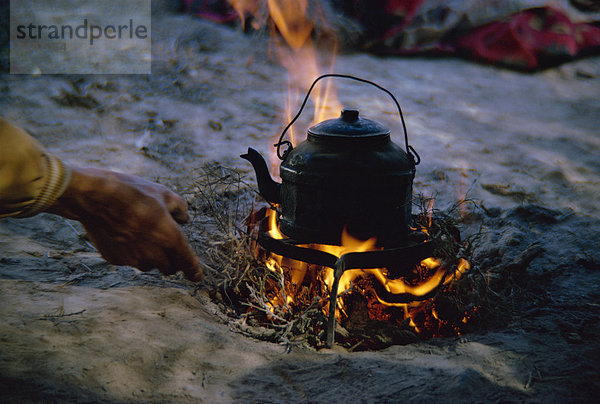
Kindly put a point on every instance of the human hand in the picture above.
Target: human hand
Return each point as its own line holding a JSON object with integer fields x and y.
{"x": 131, "y": 221}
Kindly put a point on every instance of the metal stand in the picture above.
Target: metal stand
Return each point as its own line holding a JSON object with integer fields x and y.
{"x": 338, "y": 272}
{"x": 354, "y": 260}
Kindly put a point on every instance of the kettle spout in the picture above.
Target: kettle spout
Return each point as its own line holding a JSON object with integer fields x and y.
{"x": 267, "y": 188}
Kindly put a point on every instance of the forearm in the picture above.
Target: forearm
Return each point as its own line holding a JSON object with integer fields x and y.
{"x": 132, "y": 221}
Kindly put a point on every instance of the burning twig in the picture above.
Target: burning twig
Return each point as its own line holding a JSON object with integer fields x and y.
{"x": 267, "y": 300}
{"x": 266, "y": 297}
{"x": 520, "y": 264}
{"x": 61, "y": 314}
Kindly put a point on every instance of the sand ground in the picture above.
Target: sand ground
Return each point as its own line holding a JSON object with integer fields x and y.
{"x": 526, "y": 145}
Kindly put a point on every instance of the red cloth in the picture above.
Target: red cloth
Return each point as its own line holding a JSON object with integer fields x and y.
{"x": 530, "y": 39}
{"x": 405, "y": 9}
{"x": 214, "y": 10}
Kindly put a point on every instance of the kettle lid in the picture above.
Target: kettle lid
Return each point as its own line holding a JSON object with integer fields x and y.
{"x": 349, "y": 126}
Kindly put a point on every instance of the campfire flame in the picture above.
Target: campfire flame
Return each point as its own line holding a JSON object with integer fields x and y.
{"x": 432, "y": 274}
{"x": 292, "y": 25}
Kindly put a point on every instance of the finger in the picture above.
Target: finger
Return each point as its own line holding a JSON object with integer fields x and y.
{"x": 108, "y": 249}
{"x": 142, "y": 254}
{"x": 148, "y": 264}
{"x": 177, "y": 207}
{"x": 183, "y": 258}
{"x": 149, "y": 259}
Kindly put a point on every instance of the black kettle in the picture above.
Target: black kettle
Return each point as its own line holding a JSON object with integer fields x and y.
{"x": 348, "y": 174}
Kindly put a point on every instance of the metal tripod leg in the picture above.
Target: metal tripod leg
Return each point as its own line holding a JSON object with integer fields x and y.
{"x": 340, "y": 267}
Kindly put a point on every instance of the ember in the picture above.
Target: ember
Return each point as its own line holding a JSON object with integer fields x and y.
{"x": 370, "y": 307}
{"x": 347, "y": 183}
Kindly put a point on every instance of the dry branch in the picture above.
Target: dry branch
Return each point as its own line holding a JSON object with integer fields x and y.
{"x": 225, "y": 205}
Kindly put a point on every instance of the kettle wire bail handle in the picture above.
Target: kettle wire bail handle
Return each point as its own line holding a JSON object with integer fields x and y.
{"x": 282, "y": 155}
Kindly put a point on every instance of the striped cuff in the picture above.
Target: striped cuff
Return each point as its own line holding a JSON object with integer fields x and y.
{"x": 57, "y": 178}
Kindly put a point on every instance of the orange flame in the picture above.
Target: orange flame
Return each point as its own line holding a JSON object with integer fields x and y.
{"x": 294, "y": 20}
{"x": 292, "y": 24}
{"x": 436, "y": 274}
{"x": 277, "y": 263}
{"x": 290, "y": 17}
{"x": 395, "y": 286}
{"x": 244, "y": 8}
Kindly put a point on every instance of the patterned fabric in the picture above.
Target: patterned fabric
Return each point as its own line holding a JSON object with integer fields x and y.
{"x": 533, "y": 38}
{"x": 528, "y": 39}
{"x": 214, "y": 10}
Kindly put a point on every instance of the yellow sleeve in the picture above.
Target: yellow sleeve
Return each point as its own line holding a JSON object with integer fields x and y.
{"x": 31, "y": 179}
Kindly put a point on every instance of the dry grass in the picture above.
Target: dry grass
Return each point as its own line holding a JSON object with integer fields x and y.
{"x": 226, "y": 208}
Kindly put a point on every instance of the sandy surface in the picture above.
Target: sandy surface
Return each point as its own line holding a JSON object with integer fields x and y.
{"x": 526, "y": 146}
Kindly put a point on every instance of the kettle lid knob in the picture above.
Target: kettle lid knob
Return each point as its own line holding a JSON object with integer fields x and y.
{"x": 349, "y": 115}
